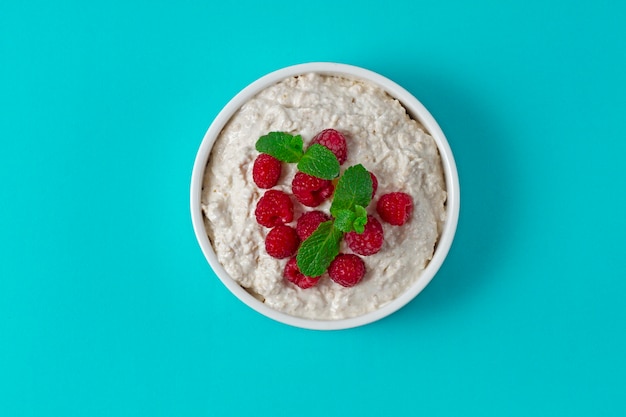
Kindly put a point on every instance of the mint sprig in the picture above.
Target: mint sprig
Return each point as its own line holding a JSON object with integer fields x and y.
{"x": 317, "y": 160}
{"x": 318, "y": 250}
{"x": 352, "y": 195}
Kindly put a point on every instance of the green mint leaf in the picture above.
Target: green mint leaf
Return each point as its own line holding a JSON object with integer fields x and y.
{"x": 360, "y": 219}
{"x": 319, "y": 162}
{"x": 318, "y": 250}
{"x": 354, "y": 188}
{"x": 344, "y": 220}
{"x": 282, "y": 146}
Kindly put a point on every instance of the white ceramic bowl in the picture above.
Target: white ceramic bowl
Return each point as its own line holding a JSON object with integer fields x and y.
{"x": 415, "y": 109}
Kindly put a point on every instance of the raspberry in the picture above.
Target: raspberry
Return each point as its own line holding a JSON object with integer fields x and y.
{"x": 266, "y": 171}
{"x": 395, "y": 208}
{"x": 374, "y": 184}
{"x": 370, "y": 241}
{"x": 347, "y": 269}
{"x": 274, "y": 208}
{"x": 334, "y": 141}
{"x": 292, "y": 274}
{"x": 311, "y": 191}
{"x": 309, "y": 221}
{"x": 282, "y": 242}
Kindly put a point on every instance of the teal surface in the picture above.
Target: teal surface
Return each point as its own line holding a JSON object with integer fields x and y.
{"x": 108, "y": 307}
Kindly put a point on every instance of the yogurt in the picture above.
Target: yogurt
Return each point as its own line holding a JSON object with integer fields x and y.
{"x": 381, "y": 136}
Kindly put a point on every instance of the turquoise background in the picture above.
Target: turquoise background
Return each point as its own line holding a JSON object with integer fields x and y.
{"x": 108, "y": 308}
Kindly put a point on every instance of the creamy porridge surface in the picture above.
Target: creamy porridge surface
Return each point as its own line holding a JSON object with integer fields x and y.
{"x": 381, "y": 136}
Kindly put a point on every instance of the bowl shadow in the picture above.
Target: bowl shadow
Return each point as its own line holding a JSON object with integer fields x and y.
{"x": 487, "y": 184}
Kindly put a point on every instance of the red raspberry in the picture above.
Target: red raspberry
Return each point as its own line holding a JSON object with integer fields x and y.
{"x": 266, "y": 171}
{"x": 282, "y": 242}
{"x": 370, "y": 241}
{"x": 309, "y": 221}
{"x": 347, "y": 269}
{"x": 395, "y": 208}
{"x": 374, "y": 183}
{"x": 334, "y": 141}
{"x": 292, "y": 274}
{"x": 311, "y": 191}
{"x": 274, "y": 208}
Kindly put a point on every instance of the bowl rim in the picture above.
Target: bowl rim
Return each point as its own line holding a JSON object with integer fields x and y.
{"x": 416, "y": 110}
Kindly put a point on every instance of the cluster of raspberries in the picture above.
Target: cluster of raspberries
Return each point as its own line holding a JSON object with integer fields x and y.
{"x": 274, "y": 210}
